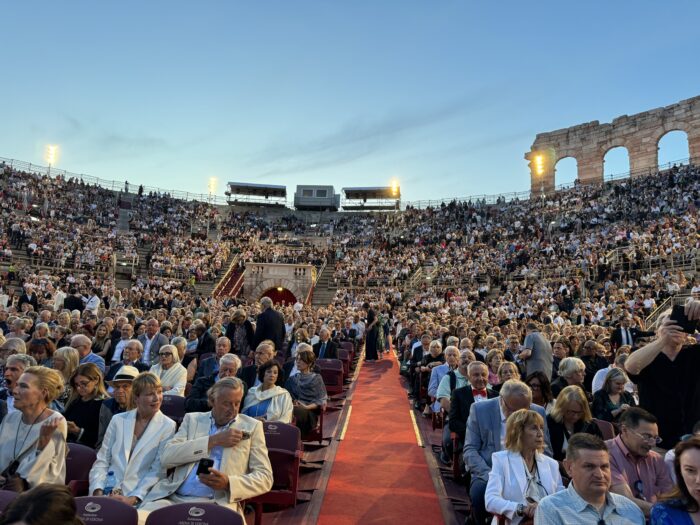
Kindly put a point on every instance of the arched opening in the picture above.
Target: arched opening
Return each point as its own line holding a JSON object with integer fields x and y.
{"x": 280, "y": 295}
{"x": 616, "y": 163}
{"x": 673, "y": 149}
{"x": 565, "y": 172}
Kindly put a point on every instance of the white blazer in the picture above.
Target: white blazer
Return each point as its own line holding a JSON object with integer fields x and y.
{"x": 139, "y": 470}
{"x": 247, "y": 465}
{"x": 505, "y": 489}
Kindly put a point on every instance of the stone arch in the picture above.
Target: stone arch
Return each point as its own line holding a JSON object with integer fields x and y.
{"x": 677, "y": 155}
{"x": 563, "y": 169}
{"x": 257, "y": 292}
{"x": 588, "y": 143}
{"x": 616, "y": 170}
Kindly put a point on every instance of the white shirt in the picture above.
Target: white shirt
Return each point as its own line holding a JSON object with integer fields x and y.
{"x": 119, "y": 349}
{"x": 147, "y": 349}
{"x": 503, "y": 425}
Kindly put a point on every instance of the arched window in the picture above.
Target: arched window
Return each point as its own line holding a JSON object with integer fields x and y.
{"x": 565, "y": 172}
{"x": 616, "y": 163}
{"x": 673, "y": 149}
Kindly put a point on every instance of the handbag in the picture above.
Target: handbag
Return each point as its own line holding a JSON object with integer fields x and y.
{"x": 11, "y": 480}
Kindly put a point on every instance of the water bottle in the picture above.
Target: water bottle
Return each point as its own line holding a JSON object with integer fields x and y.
{"x": 110, "y": 483}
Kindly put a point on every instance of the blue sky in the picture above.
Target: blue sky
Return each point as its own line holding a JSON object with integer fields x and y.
{"x": 444, "y": 95}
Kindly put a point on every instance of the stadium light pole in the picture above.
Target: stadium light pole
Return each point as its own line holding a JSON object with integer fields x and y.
{"x": 51, "y": 156}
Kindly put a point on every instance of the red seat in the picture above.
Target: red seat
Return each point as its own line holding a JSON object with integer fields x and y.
{"x": 332, "y": 374}
{"x": 104, "y": 510}
{"x": 173, "y": 407}
{"x": 194, "y": 514}
{"x": 344, "y": 357}
{"x": 78, "y": 464}
{"x": 284, "y": 449}
{"x": 6, "y": 497}
{"x": 317, "y": 433}
{"x": 606, "y": 428}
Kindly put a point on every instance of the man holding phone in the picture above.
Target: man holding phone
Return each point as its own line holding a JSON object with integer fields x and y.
{"x": 218, "y": 456}
{"x": 666, "y": 373}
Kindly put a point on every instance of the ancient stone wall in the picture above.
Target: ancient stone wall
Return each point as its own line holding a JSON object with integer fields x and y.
{"x": 588, "y": 143}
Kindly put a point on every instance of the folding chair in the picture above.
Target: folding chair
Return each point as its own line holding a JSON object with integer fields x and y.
{"x": 104, "y": 510}
{"x": 284, "y": 449}
{"x": 6, "y": 497}
{"x": 332, "y": 374}
{"x": 194, "y": 514}
{"x": 174, "y": 408}
{"x": 78, "y": 464}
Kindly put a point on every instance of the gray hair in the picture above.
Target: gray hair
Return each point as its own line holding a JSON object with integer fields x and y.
{"x": 231, "y": 359}
{"x": 476, "y": 364}
{"x": 225, "y": 339}
{"x": 41, "y": 325}
{"x": 266, "y": 302}
{"x": 570, "y": 365}
{"x": 15, "y": 344}
{"x": 25, "y": 359}
{"x": 137, "y": 343}
{"x": 173, "y": 350}
{"x": 515, "y": 387}
{"x": 178, "y": 342}
{"x": 234, "y": 383}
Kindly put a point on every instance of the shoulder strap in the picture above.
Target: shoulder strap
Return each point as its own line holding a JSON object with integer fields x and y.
{"x": 453, "y": 379}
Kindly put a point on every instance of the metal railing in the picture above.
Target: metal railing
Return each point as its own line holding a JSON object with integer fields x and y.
{"x": 316, "y": 275}
{"x": 652, "y": 321}
{"x": 226, "y": 278}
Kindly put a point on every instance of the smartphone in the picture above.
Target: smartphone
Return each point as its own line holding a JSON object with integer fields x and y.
{"x": 678, "y": 315}
{"x": 204, "y": 465}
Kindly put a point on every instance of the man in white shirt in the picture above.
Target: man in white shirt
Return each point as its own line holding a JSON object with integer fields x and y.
{"x": 127, "y": 332}
{"x": 92, "y": 302}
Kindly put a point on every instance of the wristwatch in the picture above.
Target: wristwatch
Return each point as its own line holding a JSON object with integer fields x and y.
{"x": 520, "y": 509}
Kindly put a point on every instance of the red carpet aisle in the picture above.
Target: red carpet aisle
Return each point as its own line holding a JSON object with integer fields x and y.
{"x": 380, "y": 474}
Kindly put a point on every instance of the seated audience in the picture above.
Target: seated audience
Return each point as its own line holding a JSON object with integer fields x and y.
{"x": 132, "y": 445}
{"x": 572, "y": 371}
{"x": 521, "y": 475}
{"x": 588, "y": 498}
{"x": 682, "y": 505}
{"x": 638, "y": 472}
{"x": 611, "y": 401}
{"x": 234, "y": 442}
{"x": 541, "y": 390}
{"x": 506, "y": 371}
{"x": 120, "y": 401}
{"x": 131, "y": 356}
{"x": 485, "y": 436}
{"x": 209, "y": 365}
{"x": 65, "y": 361}
{"x": 198, "y": 400}
{"x": 264, "y": 352}
{"x": 494, "y": 358}
{"x": 307, "y": 390}
{"x": 172, "y": 375}
{"x": 82, "y": 410}
{"x": 462, "y": 398}
{"x": 33, "y": 437}
{"x": 269, "y": 401}
{"x": 570, "y": 415}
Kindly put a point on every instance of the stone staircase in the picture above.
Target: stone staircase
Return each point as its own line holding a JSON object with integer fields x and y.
{"x": 323, "y": 293}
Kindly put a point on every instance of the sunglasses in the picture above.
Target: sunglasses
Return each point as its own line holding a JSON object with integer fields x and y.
{"x": 164, "y": 354}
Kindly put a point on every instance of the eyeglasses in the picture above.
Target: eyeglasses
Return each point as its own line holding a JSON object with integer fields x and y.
{"x": 648, "y": 437}
{"x": 83, "y": 384}
{"x": 164, "y": 354}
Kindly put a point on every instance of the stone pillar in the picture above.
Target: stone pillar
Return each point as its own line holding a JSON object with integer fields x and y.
{"x": 590, "y": 165}
{"x": 644, "y": 156}
{"x": 694, "y": 147}
{"x": 544, "y": 181}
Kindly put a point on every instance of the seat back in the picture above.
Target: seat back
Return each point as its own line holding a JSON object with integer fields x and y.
{"x": 606, "y": 428}
{"x": 344, "y": 357}
{"x": 282, "y": 436}
{"x": 79, "y": 462}
{"x": 332, "y": 374}
{"x": 104, "y": 510}
{"x": 6, "y": 497}
{"x": 173, "y": 407}
{"x": 194, "y": 514}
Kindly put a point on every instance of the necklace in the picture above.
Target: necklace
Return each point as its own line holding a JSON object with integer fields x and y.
{"x": 14, "y": 447}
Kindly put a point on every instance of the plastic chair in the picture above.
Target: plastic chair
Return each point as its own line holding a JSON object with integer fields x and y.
{"x": 78, "y": 464}
{"x": 174, "y": 407}
{"x": 332, "y": 374}
{"x": 606, "y": 428}
{"x": 284, "y": 449}
{"x": 6, "y": 497}
{"x": 104, "y": 510}
{"x": 194, "y": 514}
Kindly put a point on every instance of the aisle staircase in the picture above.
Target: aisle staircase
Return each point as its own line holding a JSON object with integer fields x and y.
{"x": 323, "y": 294}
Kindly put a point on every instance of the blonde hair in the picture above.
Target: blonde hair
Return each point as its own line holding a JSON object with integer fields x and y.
{"x": 515, "y": 428}
{"x": 143, "y": 382}
{"x": 72, "y": 359}
{"x": 571, "y": 394}
{"x": 47, "y": 379}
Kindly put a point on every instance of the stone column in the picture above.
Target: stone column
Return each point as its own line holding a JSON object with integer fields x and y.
{"x": 590, "y": 165}
{"x": 694, "y": 146}
{"x": 544, "y": 181}
{"x": 644, "y": 156}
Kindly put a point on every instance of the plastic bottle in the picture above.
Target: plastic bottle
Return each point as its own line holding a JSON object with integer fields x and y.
{"x": 110, "y": 483}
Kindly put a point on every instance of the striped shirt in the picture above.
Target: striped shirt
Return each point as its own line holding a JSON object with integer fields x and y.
{"x": 567, "y": 508}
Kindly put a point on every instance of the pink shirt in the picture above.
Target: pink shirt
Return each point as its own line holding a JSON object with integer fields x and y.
{"x": 628, "y": 469}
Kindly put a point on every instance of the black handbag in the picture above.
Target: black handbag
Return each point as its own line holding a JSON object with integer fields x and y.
{"x": 11, "y": 480}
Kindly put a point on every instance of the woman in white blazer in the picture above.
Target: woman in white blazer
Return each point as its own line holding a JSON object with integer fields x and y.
{"x": 132, "y": 444}
{"x": 268, "y": 400}
{"x": 170, "y": 371}
{"x": 521, "y": 474}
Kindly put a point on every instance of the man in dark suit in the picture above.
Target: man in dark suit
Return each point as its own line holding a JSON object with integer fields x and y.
{"x": 348, "y": 333}
{"x": 205, "y": 342}
{"x": 74, "y": 301}
{"x": 325, "y": 348}
{"x": 28, "y": 297}
{"x": 198, "y": 401}
{"x": 263, "y": 353}
{"x": 210, "y": 365}
{"x": 462, "y": 398}
{"x": 626, "y": 334}
{"x": 131, "y": 356}
{"x": 269, "y": 325}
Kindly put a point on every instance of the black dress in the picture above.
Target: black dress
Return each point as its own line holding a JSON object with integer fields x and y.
{"x": 85, "y": 414}
{"x": 371, "y": 341}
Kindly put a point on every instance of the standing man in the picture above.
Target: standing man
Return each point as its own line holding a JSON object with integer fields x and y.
{"x": 269, "y": 325}
{"x": 537, "y": 352}
{"x": 588, "y": 498}
{"x": 152, "y": 340}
